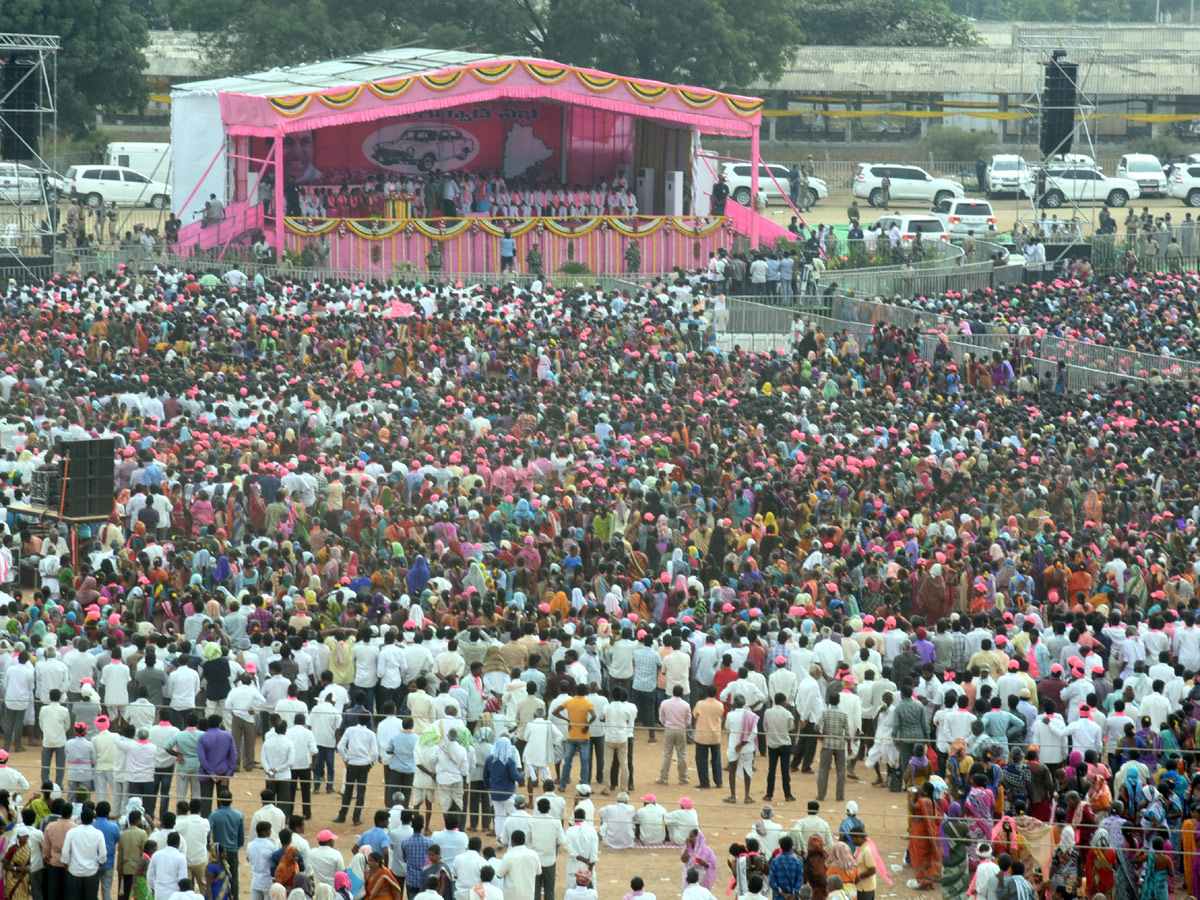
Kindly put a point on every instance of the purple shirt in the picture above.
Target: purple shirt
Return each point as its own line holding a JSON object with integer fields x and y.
{"x": 926, "y": 650}
{"x": 217, "y": 754}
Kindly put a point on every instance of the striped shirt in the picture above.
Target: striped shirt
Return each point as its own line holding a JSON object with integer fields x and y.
{"x": 835, "y": 729}
{"x": 646, "y": 663}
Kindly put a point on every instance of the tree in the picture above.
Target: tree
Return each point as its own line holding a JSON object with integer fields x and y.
{"x": 101, "y": 61}
{"x": 887, "y": 23}
{"x": 719, "y": 43}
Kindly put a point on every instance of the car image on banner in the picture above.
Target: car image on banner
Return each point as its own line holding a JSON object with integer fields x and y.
{"x": 411, "y": 148}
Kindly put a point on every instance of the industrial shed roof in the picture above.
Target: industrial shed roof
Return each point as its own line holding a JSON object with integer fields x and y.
{"x": 978, "y": 70}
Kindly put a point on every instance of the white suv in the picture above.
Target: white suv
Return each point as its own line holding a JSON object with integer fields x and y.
{"x": 737, "y": 178}
{"x": 1008, "y": 174}
{"x": 1185, "y": 183}
{"x": 963, "y": 216}
{"x": 1146, "y": 170}
{"x": 907, "y": 184}
{"x": 930, "y": 228}
{"x": 100, "y": 185}
{"x": 1072, "y": 184}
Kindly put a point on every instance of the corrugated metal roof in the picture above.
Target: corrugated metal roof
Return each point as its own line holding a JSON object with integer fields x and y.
{"x": 174, "y": 54}
{"x": 399, "y": 62}
{"x": 1120, "y": 36}
{"x": 980, "y": 70}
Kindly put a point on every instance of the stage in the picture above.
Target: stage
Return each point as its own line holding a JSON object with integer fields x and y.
{"x": 397, "y": 160}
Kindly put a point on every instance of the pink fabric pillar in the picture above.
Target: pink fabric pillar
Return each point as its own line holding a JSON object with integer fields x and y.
{"x": 754, "y": 163}
{"x": 278, "y": 154}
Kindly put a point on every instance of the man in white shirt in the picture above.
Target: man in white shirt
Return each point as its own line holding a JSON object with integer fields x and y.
{"x": 182, "y": 686}
{"x": 1050, "y": 735}
{"x": 278, "y": 756}
{"x": 651, "y": 821}
{"x": 583, "y": 844}
{"x": 1085, "y": 734}
{"x": 546, "y": 838}
{"x": 325, "y": 720}
{"x": 258, "y": 854}
{"x": 84, "y": 851}
{"x": 390, "y": 668}
{"x": 196, "y": 834}
{"x": 168, "y": 867}
{"x": 305, "y": 746}
{"x": 244, "y": 702}
{"x": 520, "y": 868}
{"x": 18, "y": 696}
{"x": 55, "y": 721}
{"x": 466, "y": 868}
{"x": 617, "y": 823}
{"x": 359, "y": 749}
{"x": 325, "y": 860}
{"x": 452, "y": 770}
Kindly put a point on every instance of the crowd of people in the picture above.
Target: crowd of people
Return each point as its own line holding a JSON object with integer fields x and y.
{"x": 457, "y": 538}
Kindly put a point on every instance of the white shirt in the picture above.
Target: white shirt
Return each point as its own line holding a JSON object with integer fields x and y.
{"x": 1050, "y": 739}
{"x": 466, "y": 868}
{"x": 583, "y": 845}
{"x": 326, "y": 862}
{"x": 359, "y": 746}
{"x": 651, "y": 824}
{"x": 278, "y": 756}
{"x": 139, "y": 759}
{"x": 391, "y": 666}
{"x": 616, "y": 825}
{"x": 1085, "y": 735}
{"x": 167, "y": 868}
{"x": 85, "y": 852}
{"x": 520, "y": 868}
{"x": 182, "y": 685}
{"x": 244, "y": 700}
{"x": 54, "y": 720}
{"x": 115, "y": 677}
{"x": 324, "y": 721}
{"x": 305, "y": 746}
{"x": 195, "y": 830}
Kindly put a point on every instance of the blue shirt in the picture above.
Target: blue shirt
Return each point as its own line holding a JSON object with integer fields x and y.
{"x": 416, "y": 851}
{"x": 377, "y": 838}
{"x": 787, "y": 874}
{"x": 401, "y": 747}
{"x": 111, "y": 831}
{"x": 508, "y": 246}
{"x": 646, "y": 663}
{"x": 228, "y": 828}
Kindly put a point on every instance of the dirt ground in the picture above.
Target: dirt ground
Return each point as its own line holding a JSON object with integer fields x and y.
{"x": 723, "y": 823}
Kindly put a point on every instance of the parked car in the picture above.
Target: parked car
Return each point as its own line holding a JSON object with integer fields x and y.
{"x": 1185, "y": 183}
{"x": 962, "y": 216}
{"x": 1146, "y": 170}
{"x": 907, "y": 184}
{"x": 20, "y": 183}
{"x": 424, "y": 148}
{"x": 930, "y": 228}
{"x": 737, "y": 177}
{"x": 1072, "y": 184}
{"x": 99, "y": 185}
{"x": 1008, "y": 173}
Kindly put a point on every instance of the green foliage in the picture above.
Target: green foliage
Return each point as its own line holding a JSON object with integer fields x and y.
{"x": 719, "y": 43}
{"x": 574, "y": 268}
{"x": 1046, "y": 10}
{"x": 101, "y": 60}
{"x": 1162, "y": 147}
{"x": 890, "y": 23}
{"x": 955, "y": 144}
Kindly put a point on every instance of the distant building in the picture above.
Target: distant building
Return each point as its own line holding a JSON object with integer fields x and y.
{"x": 1143, "y": 79}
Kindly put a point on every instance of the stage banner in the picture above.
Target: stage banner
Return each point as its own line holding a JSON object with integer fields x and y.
{"x": 519, "y": 140}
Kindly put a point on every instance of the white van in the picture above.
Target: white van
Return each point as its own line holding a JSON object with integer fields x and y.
{"x": 149, "y": 159}
{"x": 1146, "y": 170}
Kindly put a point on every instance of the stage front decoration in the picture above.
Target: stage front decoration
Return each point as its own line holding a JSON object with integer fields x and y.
{"x": 445, "y": 229}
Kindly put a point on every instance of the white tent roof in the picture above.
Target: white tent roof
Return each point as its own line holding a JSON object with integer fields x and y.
{"x": 335, "y": 73}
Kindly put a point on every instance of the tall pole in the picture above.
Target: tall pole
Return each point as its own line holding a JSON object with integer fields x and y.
{"x": 754, "y": 162}
{"x": 278, "y": 154}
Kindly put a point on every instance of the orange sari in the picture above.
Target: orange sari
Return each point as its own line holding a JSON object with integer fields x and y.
{"x": 924, "y": 848}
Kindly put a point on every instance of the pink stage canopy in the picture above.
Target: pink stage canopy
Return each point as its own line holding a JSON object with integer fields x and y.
{"x": 404, "y": 82}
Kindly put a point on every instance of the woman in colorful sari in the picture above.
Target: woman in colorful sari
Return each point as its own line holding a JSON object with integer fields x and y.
{"x": 1157, "y": 869}
{"x": 217, "y": 879}
{"x": 16, "y": 867}
{"x": 1101, "y": 865}
{"x": 1064, "y": 864}
{"x": 1189, "y": 858}
{"x": 924, "y": 849}
{"x": 841, "y": 863}
{"x": 696, "y": 855}
{"x": 1124, "y": 876}
{"x": 979, "y": 807}
{"x": 381, "y": 884}
{"x": 956, "y": 835}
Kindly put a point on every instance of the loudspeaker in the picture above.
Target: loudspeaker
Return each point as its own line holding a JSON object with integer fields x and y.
{"x": 22, "y": 89}
{"x": 1058, "y": 108}
{"x": 673, "y": 193}
{"x": 89, "y": 477}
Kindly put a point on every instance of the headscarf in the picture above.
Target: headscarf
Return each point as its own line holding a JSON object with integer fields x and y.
{"x": 954, "y": 813}
{"x": 701, "y": 850}
{"x": 277, "y": 892}
{"x": 503, "y": 750}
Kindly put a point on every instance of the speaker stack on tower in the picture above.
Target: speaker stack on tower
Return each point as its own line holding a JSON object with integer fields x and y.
{"x": 22, "y": 90}
{"x": 87, "y": 470}
{"x": 1058, "y": 106}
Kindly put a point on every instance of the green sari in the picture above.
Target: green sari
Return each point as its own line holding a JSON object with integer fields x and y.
{"x": 955, "y": 872}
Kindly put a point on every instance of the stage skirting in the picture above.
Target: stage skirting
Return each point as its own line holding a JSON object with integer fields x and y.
{"x": 473, "y": 244}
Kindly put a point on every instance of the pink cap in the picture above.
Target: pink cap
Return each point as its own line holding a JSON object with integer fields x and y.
{"x": 326, "y": 835}
{"x": 686, "y": 802}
